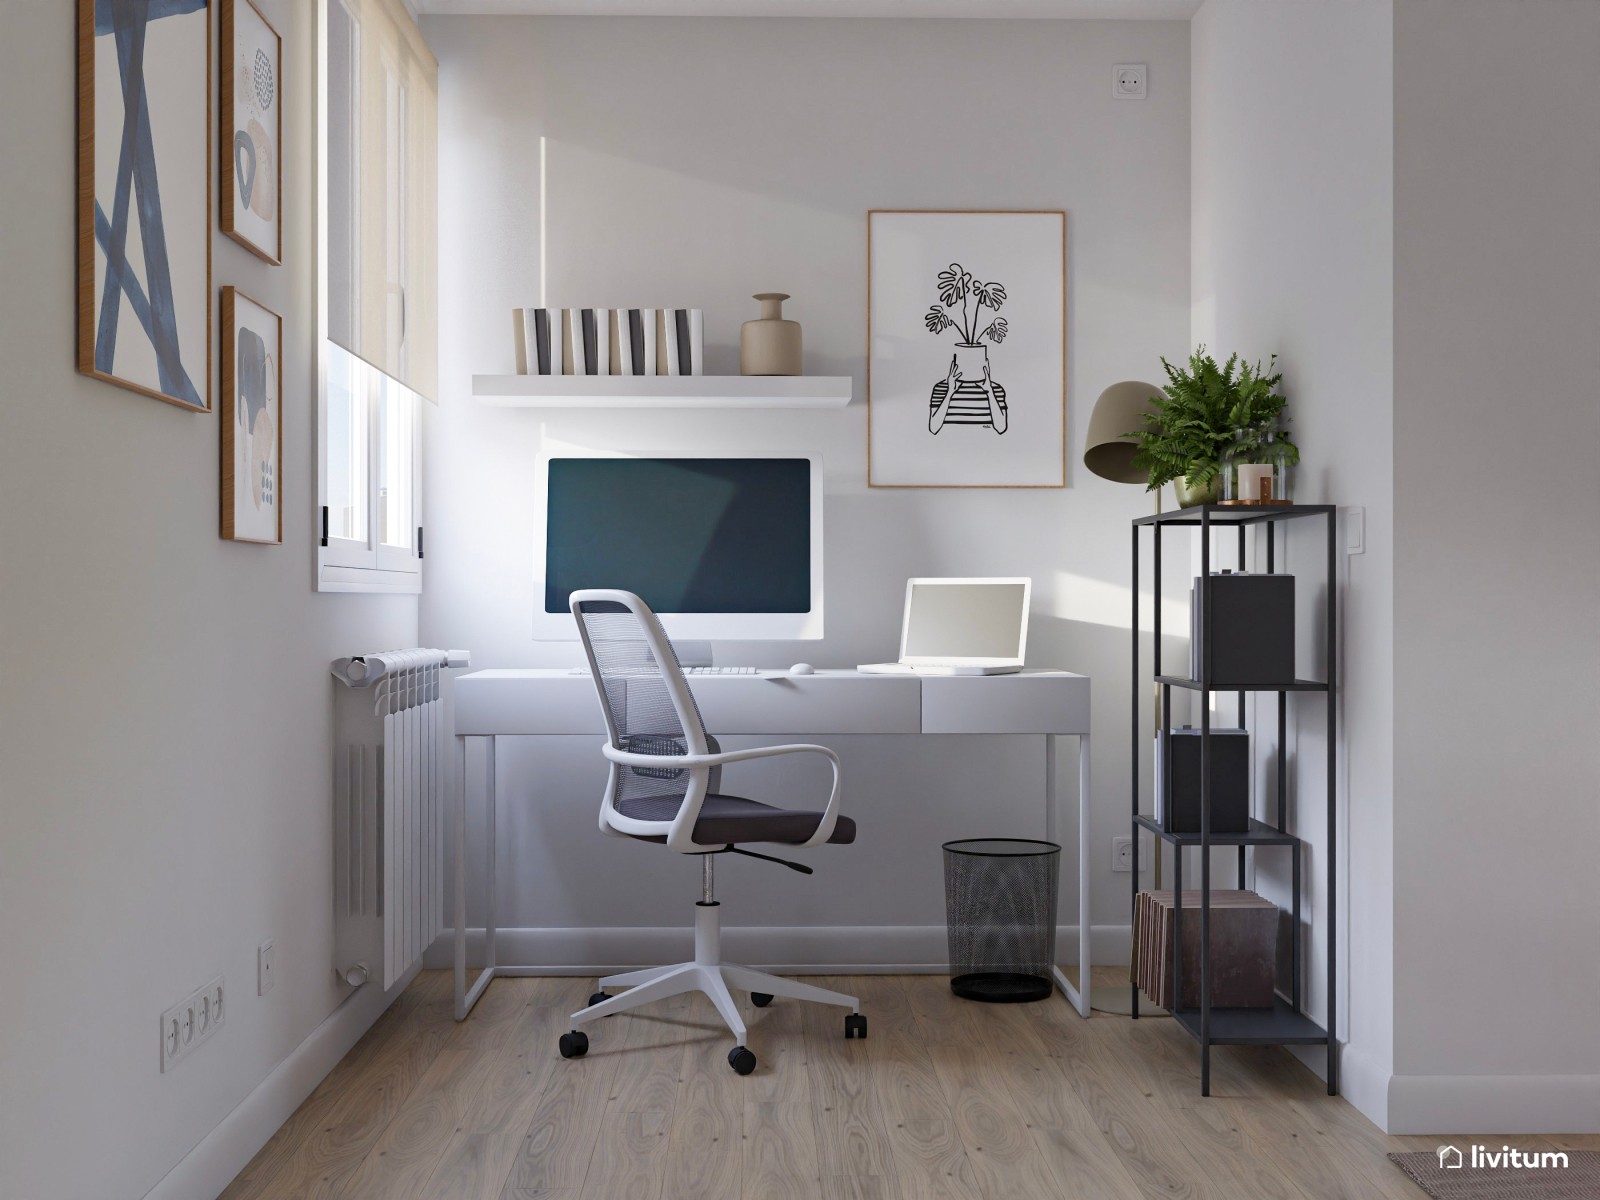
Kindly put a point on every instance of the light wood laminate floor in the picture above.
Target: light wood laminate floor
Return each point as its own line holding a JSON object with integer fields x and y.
{"x": 945, "y": 1098}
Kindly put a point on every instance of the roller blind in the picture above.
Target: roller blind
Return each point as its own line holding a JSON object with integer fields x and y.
{"x": 382, "y": 185}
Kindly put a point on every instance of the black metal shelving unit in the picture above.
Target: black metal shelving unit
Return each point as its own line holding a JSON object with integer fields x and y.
{"x": 1284, "y": 1023}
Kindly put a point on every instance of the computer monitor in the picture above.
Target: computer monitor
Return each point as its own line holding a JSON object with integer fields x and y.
{"x": 721, "y": 548}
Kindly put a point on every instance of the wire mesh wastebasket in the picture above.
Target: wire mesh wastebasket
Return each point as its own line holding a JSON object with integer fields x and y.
{"x": 1000, "y": 912}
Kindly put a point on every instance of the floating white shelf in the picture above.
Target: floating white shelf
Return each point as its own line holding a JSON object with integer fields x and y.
{"x": 663, "y": 391}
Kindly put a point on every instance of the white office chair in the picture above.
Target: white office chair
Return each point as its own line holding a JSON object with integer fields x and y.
{"x": 663, "y": 787}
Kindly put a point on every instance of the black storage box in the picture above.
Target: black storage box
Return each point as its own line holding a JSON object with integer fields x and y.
{"x": 1230, "y": 782}
{"x": 1252, "y": 630}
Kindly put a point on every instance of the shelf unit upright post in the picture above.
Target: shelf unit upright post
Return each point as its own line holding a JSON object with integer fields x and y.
{"x": 1285, "y": 1023}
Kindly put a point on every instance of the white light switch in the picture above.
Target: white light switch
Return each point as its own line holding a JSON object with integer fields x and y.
{"x": 1128, "y": 81}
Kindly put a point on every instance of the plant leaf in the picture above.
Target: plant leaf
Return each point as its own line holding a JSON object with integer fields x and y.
{"x": 992, "y": 294}
{"x": 954, "y": 284}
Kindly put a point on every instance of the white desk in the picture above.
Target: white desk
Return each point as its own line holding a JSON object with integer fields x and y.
{"x": 533, "y": 703}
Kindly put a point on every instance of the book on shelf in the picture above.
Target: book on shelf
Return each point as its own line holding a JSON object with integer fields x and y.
{"x": 572, "y": 342}
{"x": 586, "y": 341}
{"x": 697, "y": 339}
{"x": 597, "y": 340}
{"x": 535, "y": 354}
{"x": 633, "y": 341}
{"x": 1244, "y": 935}
{"x": 680, "y": 336}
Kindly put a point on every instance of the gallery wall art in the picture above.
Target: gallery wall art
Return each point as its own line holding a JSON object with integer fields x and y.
{"x": 252, "y": 130}
{"x": 252, "y": 420}
{"x": 966, "y": 349}
{"x": 144, "y": 197}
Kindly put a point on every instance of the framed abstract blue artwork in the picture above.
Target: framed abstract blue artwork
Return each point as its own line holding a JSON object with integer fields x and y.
{"x": 144, "y": 197}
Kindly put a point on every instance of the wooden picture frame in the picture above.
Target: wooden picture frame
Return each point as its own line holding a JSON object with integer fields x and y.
{"x": 251, "y": 130}
{"x": 939, "y": 413}
{"x": 252, "y": 420}
{"x": 144, "y": 201}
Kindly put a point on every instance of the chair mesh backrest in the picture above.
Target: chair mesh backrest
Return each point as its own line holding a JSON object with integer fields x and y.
{"x": 633, "y": 689}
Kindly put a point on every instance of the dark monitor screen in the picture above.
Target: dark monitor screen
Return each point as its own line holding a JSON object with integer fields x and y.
{"x": 689, "y": 535}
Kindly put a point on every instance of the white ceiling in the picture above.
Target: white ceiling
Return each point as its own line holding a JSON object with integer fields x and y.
{"x": 1128, "y": 10}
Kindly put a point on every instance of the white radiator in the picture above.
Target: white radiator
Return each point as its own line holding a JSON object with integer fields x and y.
{"x": 389, "y": 781}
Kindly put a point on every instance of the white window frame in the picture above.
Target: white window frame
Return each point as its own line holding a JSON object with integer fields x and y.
{"x": 350, "y": 564}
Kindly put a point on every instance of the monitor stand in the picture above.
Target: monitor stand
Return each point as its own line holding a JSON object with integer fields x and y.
{"x": 692, "y": 653}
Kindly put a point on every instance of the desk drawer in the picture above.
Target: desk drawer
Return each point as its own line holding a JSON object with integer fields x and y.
{"x": 794, "y": 706}
{"x": 1027, "y": 703}
{"x": 513, "y": 702}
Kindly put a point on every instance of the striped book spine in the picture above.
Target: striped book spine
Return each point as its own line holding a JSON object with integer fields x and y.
{"x": 533, "y": 342}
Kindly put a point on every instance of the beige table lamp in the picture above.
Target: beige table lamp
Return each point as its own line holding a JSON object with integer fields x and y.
{"x": 1108, "y": 451}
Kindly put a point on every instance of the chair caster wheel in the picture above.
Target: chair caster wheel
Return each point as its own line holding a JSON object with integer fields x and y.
{"x": 761, "y": 999}
{"x": 741, "y": 1060}
{"x": 855, "y": 1026}
{"x": 574, "y": 1044}
{"x": 597, "y": 998}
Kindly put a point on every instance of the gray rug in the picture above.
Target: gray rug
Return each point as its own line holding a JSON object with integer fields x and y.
{"x": 1579, "y": 1180}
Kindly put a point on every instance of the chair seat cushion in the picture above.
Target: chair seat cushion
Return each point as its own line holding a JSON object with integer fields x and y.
{"x": 730, "y": 820}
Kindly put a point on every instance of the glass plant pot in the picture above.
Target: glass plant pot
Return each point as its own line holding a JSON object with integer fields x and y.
{"x": 1255, "y": 469}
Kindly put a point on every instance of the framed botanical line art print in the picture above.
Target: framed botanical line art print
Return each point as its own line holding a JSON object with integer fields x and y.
{"x": 144, "y": 197}
{"x": 966, "y": 349}
{"x": 252, "y": 420}
{"x": 252, "y": 130}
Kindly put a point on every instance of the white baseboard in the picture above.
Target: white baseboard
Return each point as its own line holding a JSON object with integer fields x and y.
{"x": 1494, "y": 1104}
{"x": 796, "y": 949}
{"x": 228, "y": 1148}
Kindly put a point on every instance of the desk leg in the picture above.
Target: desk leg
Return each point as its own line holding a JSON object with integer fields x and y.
{"x": 465, "y": 998}
{"x": 1078, "y": 996}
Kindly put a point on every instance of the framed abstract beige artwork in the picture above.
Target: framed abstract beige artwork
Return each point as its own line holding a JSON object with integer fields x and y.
{"x": 252, "y": 420}
{"x": 252, "y": 130}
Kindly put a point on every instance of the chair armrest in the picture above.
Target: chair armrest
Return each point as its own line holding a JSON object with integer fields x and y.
{"x": 681, "y": 837}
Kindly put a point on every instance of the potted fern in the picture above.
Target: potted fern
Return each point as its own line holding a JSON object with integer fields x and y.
{"x": 1202, "y": 411}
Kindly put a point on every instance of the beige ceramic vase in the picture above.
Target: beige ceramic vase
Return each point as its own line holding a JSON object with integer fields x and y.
{"x": 770, "y": 345}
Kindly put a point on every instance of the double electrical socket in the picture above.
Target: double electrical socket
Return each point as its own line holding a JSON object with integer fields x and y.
{"x": 189, "y": 1022}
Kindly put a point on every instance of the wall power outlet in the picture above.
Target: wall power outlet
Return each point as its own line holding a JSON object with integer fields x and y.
{"x": 191, "y": 1021}
{"x": 266, "y": 967}
{"x": 1122, "y": 854}
{"x": 1128, "y": 81}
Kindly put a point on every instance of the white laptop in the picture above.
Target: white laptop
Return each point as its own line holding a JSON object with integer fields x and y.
{"x": 961, "y": 627}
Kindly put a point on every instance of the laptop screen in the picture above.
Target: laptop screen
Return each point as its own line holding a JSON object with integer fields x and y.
{"x": 965, "y": 620}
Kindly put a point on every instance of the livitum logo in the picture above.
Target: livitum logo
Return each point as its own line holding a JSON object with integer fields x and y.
{"x": 1505, "y": 1158}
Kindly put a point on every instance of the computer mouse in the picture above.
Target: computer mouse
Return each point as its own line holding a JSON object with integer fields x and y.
{"x": 802, "y": 669}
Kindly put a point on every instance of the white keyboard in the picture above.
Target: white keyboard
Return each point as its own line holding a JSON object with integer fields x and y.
{"x": 695, "y": 671}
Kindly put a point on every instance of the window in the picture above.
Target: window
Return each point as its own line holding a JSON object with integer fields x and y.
{"x": 377, "y": 286}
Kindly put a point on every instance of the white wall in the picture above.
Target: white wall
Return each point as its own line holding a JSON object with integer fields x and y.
{"x": 697, "y": 162}
{"x": 1497, "y": 304}
{"x": 164, "y": 740}
{"x": 1292, "y": 245}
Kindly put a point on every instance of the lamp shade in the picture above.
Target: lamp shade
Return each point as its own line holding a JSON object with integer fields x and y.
{"x": 1108, "y": 451}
